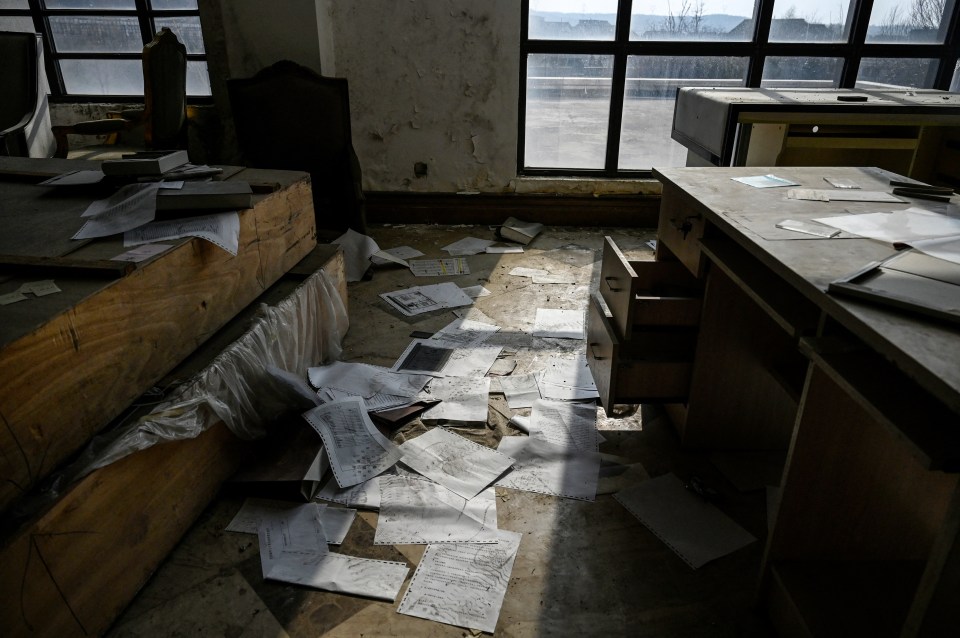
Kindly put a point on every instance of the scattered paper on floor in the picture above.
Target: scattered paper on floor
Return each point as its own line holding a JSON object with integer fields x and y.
{"x": 520, "y": 390}
{"x": 547, "y": 468}
{"x": 566, "y": 424}
{"x": 567, "y": 379}
{"x": 420, "y": 299}
{"x": 364, "y": 495}
{"x": 559, "y": 323}
{"x": 461, "y": 399}
{"x": 380, "y": 579}
{"x": 365, "y": 380}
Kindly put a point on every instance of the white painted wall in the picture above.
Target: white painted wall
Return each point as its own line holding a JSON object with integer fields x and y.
{"x": 431, "y": 81}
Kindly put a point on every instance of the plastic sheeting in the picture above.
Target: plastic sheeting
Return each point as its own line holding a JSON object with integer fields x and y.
{"x": 303, "y": 330}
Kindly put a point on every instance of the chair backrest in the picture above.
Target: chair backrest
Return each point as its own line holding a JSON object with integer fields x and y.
{"x": 19, "y": 76}
{"x": 165, "y": 91}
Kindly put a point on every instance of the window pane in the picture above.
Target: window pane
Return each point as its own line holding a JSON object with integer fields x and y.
{"x": 649, "y": 96}
{"x": 568, "y": 107}
{"x": 170, "y": 5}
{"x": 896, "y": 73}
{"x": 102, "y": 77}
{"x": 553, "y": 20}
{"x": 187, "y": 30}
{"x": 19, "y": 24}
{"x": 693, "y": 20}
{"x": 805, "y": 73}
{"x": 198, "y": 80}
{"x": 819, "y": 22}
{"x": 93, "y": 5}
{"x": 908, "y": 22}
{"x": 90, "y": 34}
{"x": 14, "y": 4}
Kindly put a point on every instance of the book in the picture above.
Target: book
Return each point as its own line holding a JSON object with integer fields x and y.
{"x": 145, "y": 163}
{"x": 229, "y": 195}
{"x": 519, "y": 231}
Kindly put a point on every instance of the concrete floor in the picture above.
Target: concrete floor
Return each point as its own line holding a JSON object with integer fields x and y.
{"x": 583, "y": 569}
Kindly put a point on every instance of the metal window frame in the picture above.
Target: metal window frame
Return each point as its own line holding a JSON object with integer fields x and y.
{"x": 756, "y": 51}
{"x": 146, "y": 16}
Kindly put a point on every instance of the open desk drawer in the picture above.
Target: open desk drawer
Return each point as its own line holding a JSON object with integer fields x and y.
{"x": 641, "y": 294}
{"x": 655, "y": 365}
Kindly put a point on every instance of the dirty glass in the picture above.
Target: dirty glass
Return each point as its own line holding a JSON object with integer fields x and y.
{"x": 896, "y": 73}
{"x": 173, "y": 5}
{"x": 568, "y": 107}
{"x": 198, "y": 79}
{"x": 93, "y": 34}
{"x": 810, "y": 21}
{"x": 13, "y": 4}
{"x": 103, "y": 77}
{"x": 713, "y": 20}
{"x": 18, "y": 24}
{"x": 187, "y": 29}
{"x": 801, "y": 72}
{"x": 908, "y": 22}
{"x": 558, "y": 20}
{"x": 92, "y": 5}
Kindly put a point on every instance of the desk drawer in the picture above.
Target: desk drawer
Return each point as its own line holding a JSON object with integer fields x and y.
{"x": 680, "y": 229}
{"x": 653, "y": 366}
{"x": 640, "y": 294}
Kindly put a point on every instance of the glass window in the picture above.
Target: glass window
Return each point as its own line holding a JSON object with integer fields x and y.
{"x": 559, "y": 20}
{"x": 651, "y": 86}
{"x": 91, "y": 5}
{"x": 731, "y": 21}
{"x": 187, "y": 29}
{"x": 174, "y": 5}
{"x": 96, "y": 34}
{"x": 102, "y": 77}
{"x": 18, "y": 24}
{"x": 896, "y": 73}
{"x": 568, "y": 107}
{"x": 14, "y": 4}
{"x": 813, "y": 21}
{"x": 914, "y": 21}
{"x": 801, "y": 72}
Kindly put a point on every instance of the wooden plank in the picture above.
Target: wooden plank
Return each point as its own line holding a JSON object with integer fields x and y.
{"x": 71, "y": 375}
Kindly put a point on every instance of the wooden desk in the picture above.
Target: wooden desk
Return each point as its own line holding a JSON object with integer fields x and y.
{"x": 868, "y": 400}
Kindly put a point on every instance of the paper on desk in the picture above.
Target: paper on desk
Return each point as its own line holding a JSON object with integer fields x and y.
{"x": 567, "y": 379}
{"x": 458, "y": 464}
{"x": 693, "y": 528}
{"x": 142, "y": 253}
{"x": 946, "y": 248}
{"x": 75, "y": 178}
{"x": 416, "y": 511}
{"x": 380, "y": 579}
{"x": 364, "y": 495}
{"x": 468, "y": 246}
{"x": 462, "y": 584}
{"x": 847, "y": 195}
{"x": 335, "y": 521}
{"x": 439, "y": 267}
{"x": 902, "y": 226}
{"x": 130, "y": 207}
{"x": 461, "y": 399}
{"x": 357, "y": 251}
{"x": 398, "y": 255}
{"x": 548, "y": 468}
{"x": 764, "y": 181}
{"x": 366, "y": 380}
{"x": 521, "y": 391}
{"x": 427, "y": 356}
{"x": 559, "y": 323}
{"x": 288, "y": 532}
{"x": 222, "y": 229}
{"x": 40, "y": 288}
{"x": 356, "y": 449}
{"x": 420, "y": 299}
{"x": 571, "y": 425}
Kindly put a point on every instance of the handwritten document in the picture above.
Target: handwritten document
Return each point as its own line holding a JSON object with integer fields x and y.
{"x": 462, "y": 584}
{"x": 290, "y": 531}
{"x": 439, "y": 267}
{"x": 567, "y": 379}
{"x": 521, "y": 390}
{"x": 366, "y": 380}
{"x": 380, "y": 579}
{"x": 417, "y": 511}
{"x": 461, "y": 399}
{"x": 364, "y": 495}
{"x": 222, "y": 229}
{"x": 356, "y": 449}
{"x": 548, "y": 468}
{"x": 457, "y": 463}
{"x": 335, "y": 521}
{"x": 131, "y": 206}
{"x": 571, "y": 425}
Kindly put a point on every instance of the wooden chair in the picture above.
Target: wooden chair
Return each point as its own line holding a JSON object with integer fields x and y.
{"x": 24, "y": 113}
{"x": 289, "y": 117}
{"x": 164, "y": 114}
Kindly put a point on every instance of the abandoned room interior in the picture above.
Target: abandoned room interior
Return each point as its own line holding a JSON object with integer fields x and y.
{"x": 443, "y": 318}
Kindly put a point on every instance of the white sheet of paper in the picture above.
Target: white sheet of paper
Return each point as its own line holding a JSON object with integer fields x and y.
{"x": 567, "y": 379}
{"x": 764, "y": 181}
{"x": 366, "y": 380}
{"x": 12, "y": 297}
{"x": 468, "y": 246}
{"x": 222, "y": 229}
{"x": 417, "y": 511}
{"x": 439, "y": 267}
{"x": 380, "y": 579}
{"x": 503, "y": 250}
{"x": 40, "y": 288}
{"x": 572, "y": 425}
{"x": 364, "y": 495}
{"x": 356, "y": 449}
{"x": 465, "y": 332}
{"x": 554, "y": 279}
{"x": 336, "y": 521}
{"x": 130, "y": 207}
{"x": 693, "y": 528}
{"x": 75, "y": 178}
{"x": 357, "y": 251}
{"x": 946, "y": 248}
{"x": 376, "y": 403}
{"x": 847, "y": 195}
{"x": 520, "y": 271}
{"x": 475, "y": 292}
{"x": 398, "y": 255}
{"x": 546, "y": 468}
{"x": 899, "y": 226}
{"x": 521, "y": 391}
{"x": 292, "y": 531}
{"x": 462, "y": 584}
{"x": 142, "y": 253}
{"x": 420, "y": 299}
{"x": 461, "y": 399}
{"x": 559, "y": 323}
{"x": 459, "y": 464}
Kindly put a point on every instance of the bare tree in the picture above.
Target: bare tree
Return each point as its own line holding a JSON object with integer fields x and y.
{"x": 895, "y": 25}
{"x": 926, "y": 14}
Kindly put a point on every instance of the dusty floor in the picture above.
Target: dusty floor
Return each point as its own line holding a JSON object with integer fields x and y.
{"x": 583, "y": 569}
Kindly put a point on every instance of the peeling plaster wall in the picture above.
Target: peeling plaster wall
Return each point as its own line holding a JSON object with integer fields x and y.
{"x": 433, "y": 87}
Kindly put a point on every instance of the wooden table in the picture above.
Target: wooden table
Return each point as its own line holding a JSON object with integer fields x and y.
{"x": 866, "y": 398}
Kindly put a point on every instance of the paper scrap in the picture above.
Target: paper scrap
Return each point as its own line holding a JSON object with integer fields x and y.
{"x": 12, "y": 297}
{"x": 461, "y": 399}
{"x": 357, "y": 251}
{"x": 439, "y": 267}
{"x": 379, "y": 579}
{"x": 547, "y": 468}
{"x": 559, "y": 323}
{"x": 462, "y": 584}
{"x": 130, "y": 207}
{"x": 764, "y": 181}
{"x": 420, "y": 299}
{"x": 693, "y": 528}
{"x": 459, "y": 464}
{"x": 142, "y": 253}
{"x": 40, "y": 288}
{"x": 222, "y": 229}
{"x": 468, "y": 246}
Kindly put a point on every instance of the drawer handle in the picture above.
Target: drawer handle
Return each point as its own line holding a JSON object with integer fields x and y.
{"x": 684, "y": 226}
{"x": 607, "y": 281}
{"x": 593, "y": 353}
